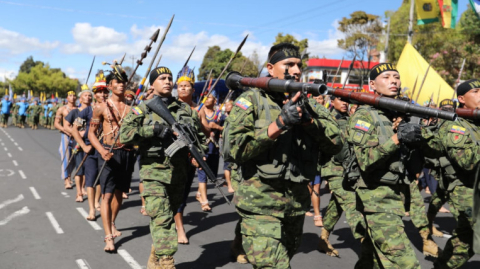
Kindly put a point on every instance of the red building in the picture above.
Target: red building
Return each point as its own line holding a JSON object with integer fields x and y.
{"x": 317, "y": 68}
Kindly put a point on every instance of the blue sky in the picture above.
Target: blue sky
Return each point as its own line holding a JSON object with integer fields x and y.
{"x": 67, "y": 33}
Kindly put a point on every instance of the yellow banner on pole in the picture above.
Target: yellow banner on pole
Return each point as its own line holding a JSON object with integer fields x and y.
{"x": 410, "y": 65}
{"x": 427, "y": 11}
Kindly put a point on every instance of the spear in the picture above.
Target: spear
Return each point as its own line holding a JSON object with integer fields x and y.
{"x": 243, "y": 66}
{"x": 205, "y": 85}
{"x": 336, "y": 73}
{"x": 140, "y": 87}
{"x": 89, "y": 72}
{"x": 430, "y": 100}
{"x": 148, "y": 82}
{"x": 349, "y": 70}
{"x": 224, "y": 69}
{"x": 147, "y": 49}
{"x": 423, "y": 81}
{"x": 414, "y": 88}
{"x": 123, "y": 58}
{"x": 438, "y": 96}
{"x": 458, "y": 79}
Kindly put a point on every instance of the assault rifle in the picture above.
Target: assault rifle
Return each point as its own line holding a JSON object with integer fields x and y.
{"x": 185, "y": 138}
{"x": 234, "y": 80}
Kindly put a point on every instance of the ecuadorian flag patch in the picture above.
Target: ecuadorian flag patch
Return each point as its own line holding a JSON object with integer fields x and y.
{"x": 136, "y": 111}
{"x": 457, "y": 129}
{"x": 362, "y": 125}
{"x": 243, "y": 103}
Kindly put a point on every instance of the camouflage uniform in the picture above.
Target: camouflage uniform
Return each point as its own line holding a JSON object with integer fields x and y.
{"x": 163, "y": 178}
{"x": 459, "y": 142}
{"x": 341, "y": 199}
{"x": 380, "y": 180}
{"x": 272, "y": 195}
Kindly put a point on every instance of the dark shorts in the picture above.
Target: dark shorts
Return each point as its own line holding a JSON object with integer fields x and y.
{"x": 227, "y": 166}
{"x": 117, "y": 173}
{"x": 78, "y": 160}
{"x": 317, "y": 180}
{"x": 91, "y": 169}
{"x": 212, "y": 161}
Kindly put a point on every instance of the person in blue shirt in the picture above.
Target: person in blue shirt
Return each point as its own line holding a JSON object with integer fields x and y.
{"x": 22, "y": 111}
{"x": 6, "y": 106}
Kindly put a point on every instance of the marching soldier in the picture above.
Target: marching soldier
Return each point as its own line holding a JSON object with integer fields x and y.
{"x": 6, "y": 107}
{"x": 459, "y": 142}
{"x": 341, "y": 199}
{"x": 163, "y": 178}
{"x": 380, "y": 156}
{"x": 276, "y": 145}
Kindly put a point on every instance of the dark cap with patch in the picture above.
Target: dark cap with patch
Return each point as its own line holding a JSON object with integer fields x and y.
{"x": 468, "y": 85}
{"x": 446, "y": 102}
{"x": 157, "y": 72}
{"x": 380, "y": 68}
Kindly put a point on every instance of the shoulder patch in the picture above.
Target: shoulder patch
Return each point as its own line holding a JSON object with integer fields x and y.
{"x": 362, "y": 125}
{"x": 358, "y": 136}
{"x": 243, "y": 103}
{"x": 457, "y": 129}
{"x": 137, "y": 111}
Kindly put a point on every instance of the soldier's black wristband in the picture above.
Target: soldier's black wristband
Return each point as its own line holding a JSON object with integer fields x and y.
{"x": 280, "y": 125}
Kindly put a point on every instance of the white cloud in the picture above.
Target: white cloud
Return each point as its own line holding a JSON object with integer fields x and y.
{"x": 9, "y": 74}
{"x": 16, "y": 43}
{"x": 96, "y": 40}
{"x": 326, "y": 47}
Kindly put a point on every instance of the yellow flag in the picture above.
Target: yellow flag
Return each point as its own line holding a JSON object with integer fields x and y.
{"x": 6, "y": 91}
{"x": 449, "y": 10}
{"x": 56, "y": 94}
{"x": 410, "y": 65}
{"x": 14, "y": 96}
{"x": 427, "y": 11}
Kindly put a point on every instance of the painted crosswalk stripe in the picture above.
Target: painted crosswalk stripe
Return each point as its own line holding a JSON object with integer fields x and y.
{"x": 9, "y": 154}
{"x": 35, "y": 193}
{"x": 129, "y": 259}
{"x": 17, "y": 213}
{"x": 19, "y": 148}
{"x": 54, "y": 223}
{"x": 22, "y": 174}
{"x": 15, "y": 163}
{"x": 15, "y": 144}
{"x": 84, "y": 213}
{"x": 5, "y": 148}
{"x": 82, "y": 264}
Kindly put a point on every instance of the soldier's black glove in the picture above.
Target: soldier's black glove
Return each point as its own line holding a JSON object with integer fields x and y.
{"x": 409, "y": 133}
{"x": 162, "y": 131}
{"x": 290, "y": 115}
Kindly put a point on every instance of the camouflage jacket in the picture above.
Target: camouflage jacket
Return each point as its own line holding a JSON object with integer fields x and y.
{"x": 274, "y": 173}
{"x": 137, "y": 129}
{"x": 333, "y": 167}
{"x": 459, "y": 142}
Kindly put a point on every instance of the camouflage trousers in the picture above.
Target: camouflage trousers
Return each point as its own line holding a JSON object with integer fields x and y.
{"x": 438, "y": 199}
{"x": 342, "y": 200}
{"x": 459, "y": 248}
{"x": 270, "y": 242}
{"x": 161, "y": 204}
{"x": 385, "y": 228}
{"x": 5, "y": 118}
{"x": 415, "y": 205}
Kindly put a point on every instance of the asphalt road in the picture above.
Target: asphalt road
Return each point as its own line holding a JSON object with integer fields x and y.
{"x": 41, "y": 225}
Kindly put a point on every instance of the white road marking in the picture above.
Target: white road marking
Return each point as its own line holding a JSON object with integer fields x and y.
{"x": 54, "y": 223}
{"x": 15, "y": 163}
{"x": 15, "y": 144}
{"x": 12, "y": 140}
{"x": 35, "y": 193}
{"x": 3, "y": 144}
{"x": 11, "y": 201}
{"x": 19, "y": 148}
{"x": 65, "y": 194}
{"x": 9, "y": 154}
{"x": 22, "y": 174}
{"x": 5, "y": 148}
{"x": 84, "y": 213}
{"x": 15, "y": 214}
{"x": 82, "y": 264}
{"x": 129, "y": 259}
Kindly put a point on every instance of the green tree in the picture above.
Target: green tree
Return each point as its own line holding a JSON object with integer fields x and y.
{"x": 362, "y": 32}
{"x": 215, "y": 59}
{"x": 28, "y": 64}
{"x": 42, "y": 78}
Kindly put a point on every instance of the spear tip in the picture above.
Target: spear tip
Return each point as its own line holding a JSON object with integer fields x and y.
{"x": 155, "y": 35}
{"x": 241, "y": 44}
